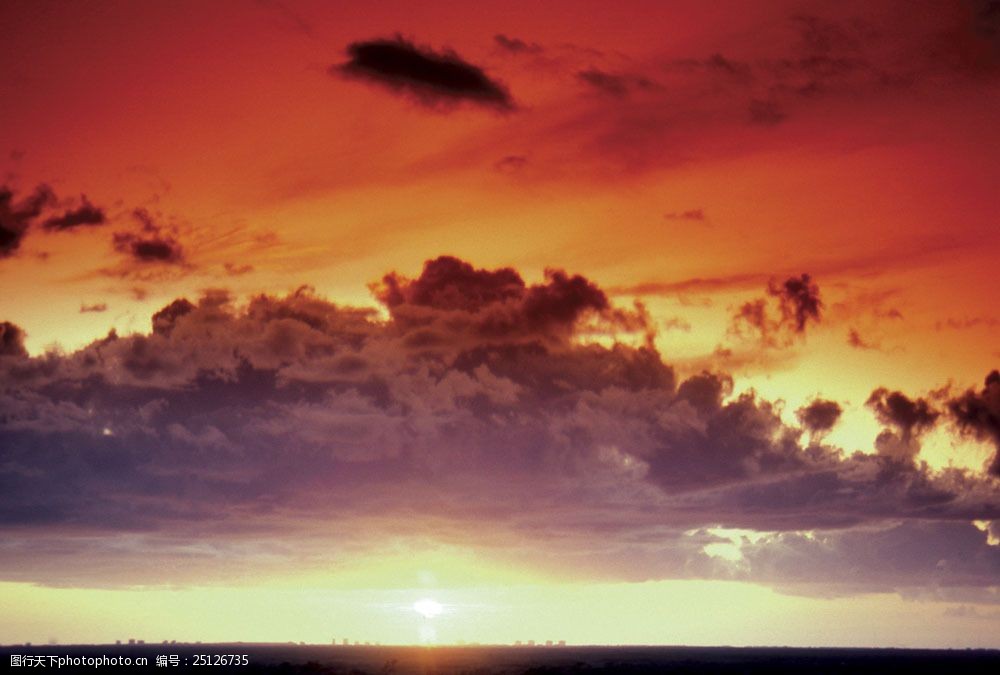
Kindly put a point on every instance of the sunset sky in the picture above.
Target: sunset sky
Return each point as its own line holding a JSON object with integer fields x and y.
{"x": 634, "y": 322}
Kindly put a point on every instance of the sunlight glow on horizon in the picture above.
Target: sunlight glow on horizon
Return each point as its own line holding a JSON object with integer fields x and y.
{"x": 428, "y": 608}
{"x": 666, "y": 323}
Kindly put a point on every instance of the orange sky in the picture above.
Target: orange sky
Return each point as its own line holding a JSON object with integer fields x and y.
{"x": 679, "y": 154}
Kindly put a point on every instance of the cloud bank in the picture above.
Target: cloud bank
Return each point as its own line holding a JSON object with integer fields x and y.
{"x": 530, "y": 420}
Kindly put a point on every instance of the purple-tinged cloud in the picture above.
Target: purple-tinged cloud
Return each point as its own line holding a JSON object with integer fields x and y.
{"x": 276, "y": 433}
{"x": 819, "y": 416}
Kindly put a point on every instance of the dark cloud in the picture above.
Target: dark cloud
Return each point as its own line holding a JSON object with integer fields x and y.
{"x": 452, "y": 284}
{"x": 799, "y": 300}
{"x": 498, "y": 302}
{"x": 433, "y": 78}
{"x": 84, "y": 215}
{"x": 17, "y": 216}
{"x": 978, "y": 414}
{"x": 11, "y": 340}
{"x": 819, "y": 416}
{"x": 164, "y": 319}
{"x": 907, "y": 418}
{"x": 754, "y": 314}
{"x": 607, "y": 83}
{"x": 705, "y": 391}
{"x": 516, "y": 45}
{"x": 94, "y": 307}
{"x": 612, "y": 84}
{"x": 478, "y": 411}
{"x": 152, "y": 249}
{"x": 152, "y": 243}
{"x": 736, "y": 441}
{"x": 911, "y": 417}
{"x": 783, "y": 315}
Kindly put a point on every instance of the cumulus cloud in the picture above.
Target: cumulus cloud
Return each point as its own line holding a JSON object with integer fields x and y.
{"x": 907, "y": 418}
{"x": 819, "y": 416}
{"x": 978, "y": 414}
{"x": 911, "y": 417}
{"x": 498, "y": 303}
{"x": 478, "y": 412}
{"x": 11, "y": 340}
{"x": 432, "y": 78}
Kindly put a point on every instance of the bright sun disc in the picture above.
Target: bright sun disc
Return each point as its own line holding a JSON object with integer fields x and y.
{"x": 429, "y": 608}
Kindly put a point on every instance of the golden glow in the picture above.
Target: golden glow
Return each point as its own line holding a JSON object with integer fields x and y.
{"x": 665, "y": 612}
{"x": 428, "y": 608}
{"x": 887, "y": 200}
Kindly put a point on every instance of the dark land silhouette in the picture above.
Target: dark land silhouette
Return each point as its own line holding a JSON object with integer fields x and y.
{"x": 524, "y": 660}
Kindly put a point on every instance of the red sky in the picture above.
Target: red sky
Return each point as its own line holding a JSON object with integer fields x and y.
{"x": 272, "y": 162}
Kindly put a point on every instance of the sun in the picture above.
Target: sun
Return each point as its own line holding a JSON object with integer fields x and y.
{"x": 428, "y": 608}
